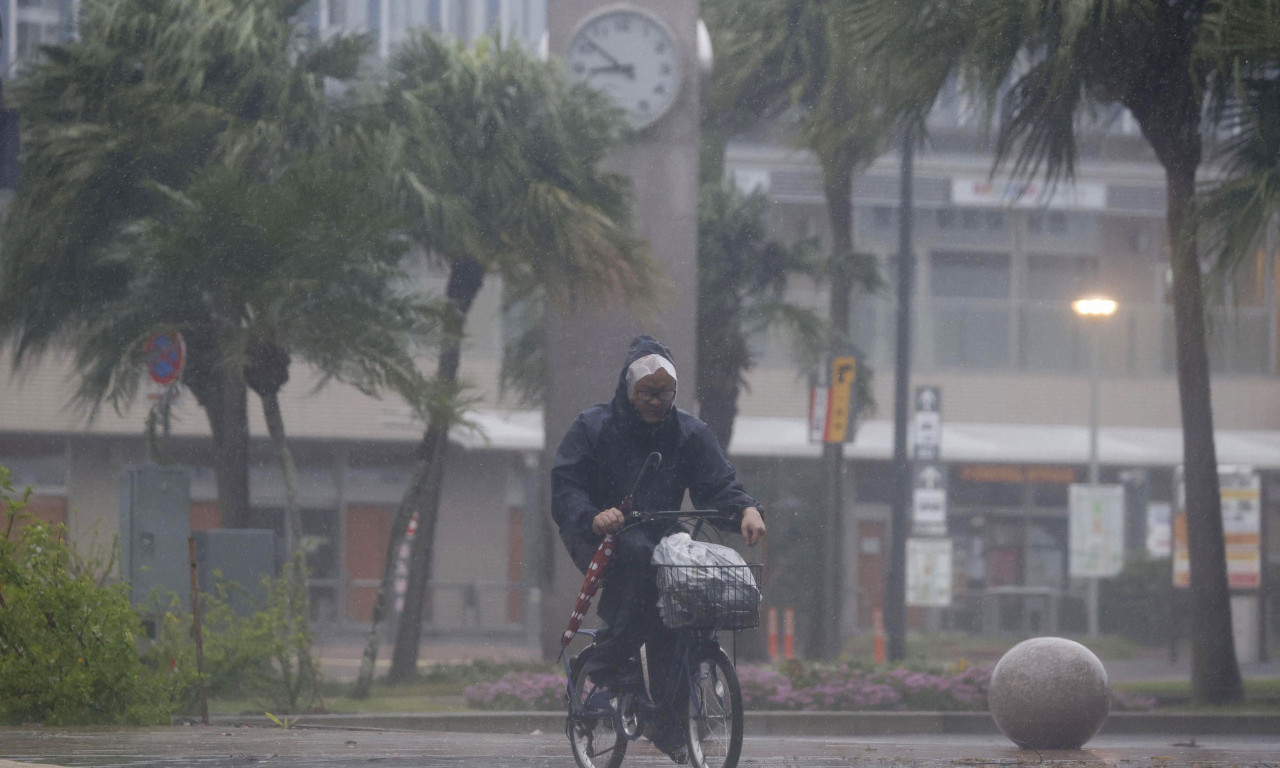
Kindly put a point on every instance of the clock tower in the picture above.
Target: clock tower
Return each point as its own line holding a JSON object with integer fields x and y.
{"x": 644, "y": 55}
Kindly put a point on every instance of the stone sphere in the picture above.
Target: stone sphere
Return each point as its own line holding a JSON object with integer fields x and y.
{"x": 1049, "y": 693}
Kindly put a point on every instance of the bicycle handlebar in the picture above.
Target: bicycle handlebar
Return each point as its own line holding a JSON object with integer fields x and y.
{"x": 637, "y": 517}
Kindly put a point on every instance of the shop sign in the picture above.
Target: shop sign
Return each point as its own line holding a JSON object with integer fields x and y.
{"x": 1096, "y": 530}
{"x": 1240, "y": 489}
{"x": 929, "y": 572}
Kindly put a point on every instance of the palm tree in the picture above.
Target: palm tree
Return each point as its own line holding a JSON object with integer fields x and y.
{"x": 503, "y": 176}
{"x": 1041, "y": 65}
{"x": 783, "y": 59}
{"x": 742, "y": 277}
{"x": 327, "y": 289}
{"x": 157, "y": 98}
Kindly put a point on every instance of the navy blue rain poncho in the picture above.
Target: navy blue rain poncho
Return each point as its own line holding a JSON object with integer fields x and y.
{"x": 601, "y": 455}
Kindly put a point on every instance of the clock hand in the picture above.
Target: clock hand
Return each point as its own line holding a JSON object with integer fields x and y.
{"x": 627, "y": 69}
{"x": 612, "y": 59}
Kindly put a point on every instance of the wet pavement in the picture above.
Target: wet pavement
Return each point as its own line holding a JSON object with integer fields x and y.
{"x": 214, "y": 747}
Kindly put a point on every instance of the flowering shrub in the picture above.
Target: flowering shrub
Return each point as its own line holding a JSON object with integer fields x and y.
{"x": 843, "y": 688}
{"x": 852, "y": 688}
{"x": 518, "y": 690}
{"x": 1131, "y": 702}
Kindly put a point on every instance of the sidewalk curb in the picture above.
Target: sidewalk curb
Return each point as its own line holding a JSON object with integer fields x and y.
{"x": 785, "y": 723}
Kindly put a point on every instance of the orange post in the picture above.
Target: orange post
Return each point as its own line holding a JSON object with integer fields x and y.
{"x": 789, "y": 633}
{"x": 773, "y": 633}
{"x": 877, "y": 624}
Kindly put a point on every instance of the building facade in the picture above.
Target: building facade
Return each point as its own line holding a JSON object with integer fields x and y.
{"x": 997, "y": 267}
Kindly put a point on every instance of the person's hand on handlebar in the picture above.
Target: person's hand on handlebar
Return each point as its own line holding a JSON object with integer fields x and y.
{"x": 610, "y": 521}
{"x": 752, "y": 526}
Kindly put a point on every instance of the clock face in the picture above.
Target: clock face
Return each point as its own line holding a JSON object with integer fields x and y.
{"x": 631, "y": 57}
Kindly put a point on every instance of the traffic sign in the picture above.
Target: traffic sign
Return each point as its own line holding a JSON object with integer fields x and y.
{"x": 929, "y": 500}
{"x": 928, "y": 423}
{"x": 166, "y": 354}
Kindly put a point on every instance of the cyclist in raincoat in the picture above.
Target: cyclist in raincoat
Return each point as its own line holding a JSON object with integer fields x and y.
{"x": 595, "y": 467}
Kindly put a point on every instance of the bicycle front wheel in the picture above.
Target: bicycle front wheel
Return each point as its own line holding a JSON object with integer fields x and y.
{"x": 596, "y": 733}
{"x": 715, "y": 711}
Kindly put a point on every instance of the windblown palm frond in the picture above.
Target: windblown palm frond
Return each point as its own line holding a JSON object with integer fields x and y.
{"x": 504, "y": 165}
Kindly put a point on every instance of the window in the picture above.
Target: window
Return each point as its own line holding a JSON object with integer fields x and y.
{"x": 1057, "y": 222}
{"x": 1060, "y": 278}
{"x": 970, "y": 308}
{"x": 1051, "y": 336}
{"x": 969, "y": 275}
{"x": 884, "y": 216}
{"x": 493, "y": 15}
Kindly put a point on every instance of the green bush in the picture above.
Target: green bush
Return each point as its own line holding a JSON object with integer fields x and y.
{"x": 67, "y": 643}
{"x": 264, "y": 657}
{"x": 1135, "y": 604}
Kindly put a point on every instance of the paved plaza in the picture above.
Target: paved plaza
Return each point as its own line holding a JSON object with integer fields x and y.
{"x": 221, "y": 747}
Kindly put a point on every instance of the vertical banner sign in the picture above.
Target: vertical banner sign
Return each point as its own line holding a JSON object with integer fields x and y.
{"x": 1159, "y": 529}
{"x": 1097, "y": 530}
{"x": 929, "y": 572}
{"x": 928, "y": 426}
{"x": 1241, "y": 493}
{"x": 819, "y": 395}
{"x": 831, "y": 401}
{"x": 929, "y": 499}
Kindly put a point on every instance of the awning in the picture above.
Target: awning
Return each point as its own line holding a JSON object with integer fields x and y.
{"x": 758, "y": 436}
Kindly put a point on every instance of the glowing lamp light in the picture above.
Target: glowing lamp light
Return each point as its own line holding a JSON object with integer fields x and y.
{"x": 1094, "y": 306}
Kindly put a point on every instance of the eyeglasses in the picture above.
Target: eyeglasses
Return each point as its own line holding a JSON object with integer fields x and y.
{"x": 661, "y": 395}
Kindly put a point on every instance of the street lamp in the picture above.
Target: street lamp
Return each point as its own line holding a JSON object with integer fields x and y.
{"x": 1094, "y": 309}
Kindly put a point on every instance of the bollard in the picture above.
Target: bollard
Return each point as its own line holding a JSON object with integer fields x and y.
{"x": 789, "y": 633}
{"x": 773, "y": 634}
{"x": 877, "y": 623}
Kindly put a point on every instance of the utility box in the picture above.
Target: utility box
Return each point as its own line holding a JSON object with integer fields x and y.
{"x": 155, "y": 522}
{"x": 239, "y": 559}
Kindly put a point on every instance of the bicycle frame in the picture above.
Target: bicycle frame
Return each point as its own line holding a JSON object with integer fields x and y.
{"x": 687, "y": 640}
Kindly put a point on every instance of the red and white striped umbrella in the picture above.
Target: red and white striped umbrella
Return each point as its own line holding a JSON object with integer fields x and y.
{"x": 595, "y": 571}
{"x": 589, "y": 587}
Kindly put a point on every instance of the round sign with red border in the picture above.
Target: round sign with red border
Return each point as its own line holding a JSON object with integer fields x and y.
{"x": 166, "y": 355}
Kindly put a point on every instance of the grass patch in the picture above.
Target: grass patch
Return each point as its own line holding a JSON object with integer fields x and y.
{"x": 438, "y": 688}
{"x": 946, "y": 648}
{"x": 1260, "y": 693}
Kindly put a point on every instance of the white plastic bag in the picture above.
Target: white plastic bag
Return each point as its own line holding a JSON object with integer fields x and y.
{"x": 704, "y": 585}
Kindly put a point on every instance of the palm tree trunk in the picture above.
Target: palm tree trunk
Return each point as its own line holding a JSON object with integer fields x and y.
{"x": 466, "y": 276}
{"x": 718, "y": 399}
{"x": 275, "y": 428}
{"x": 222, "y": 392}
{"x": 399, "y": 526}
{"x": 1215, "y": 673}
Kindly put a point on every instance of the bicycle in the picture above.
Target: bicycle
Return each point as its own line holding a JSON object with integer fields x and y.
{"x": 602, "y": 720}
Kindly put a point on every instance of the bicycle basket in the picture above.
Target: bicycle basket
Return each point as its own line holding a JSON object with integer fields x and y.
{"x": 709, "y": 596}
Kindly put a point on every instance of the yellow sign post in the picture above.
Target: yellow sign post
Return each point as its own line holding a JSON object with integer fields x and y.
{"x": 844, "y": 375}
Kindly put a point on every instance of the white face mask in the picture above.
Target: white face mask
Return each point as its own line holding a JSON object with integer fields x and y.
{"x": 645, "y": 366}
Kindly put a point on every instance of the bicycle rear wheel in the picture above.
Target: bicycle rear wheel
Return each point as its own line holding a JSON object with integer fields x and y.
{"x": 715, "y": 711}
{"x": 596, "y": 736}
